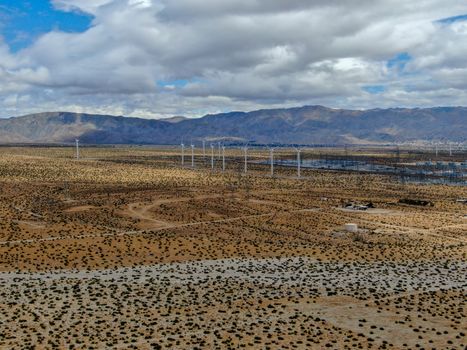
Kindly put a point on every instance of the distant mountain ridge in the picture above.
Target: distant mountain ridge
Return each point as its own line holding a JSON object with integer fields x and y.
{"x": 302, "y": 125}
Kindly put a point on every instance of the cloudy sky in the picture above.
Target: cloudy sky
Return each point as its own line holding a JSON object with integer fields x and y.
{"x": 158, "y": 58}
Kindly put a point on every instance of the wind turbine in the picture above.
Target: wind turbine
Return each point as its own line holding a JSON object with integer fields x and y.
{"x": 223, "y": 158}
{"x": 298, "y": 161}
{"x": 219, "y": 150}
{"x": 77, "y": 149}
{"x": 183, "y": 154}
{"x": 212, "y": 156}
{"x": 192, "y": 155}
{"x": 245, "y": 150}
{"x": 271, "y": 157}
{"x": 204, "y": 149}
{"x": 450, "y": 149}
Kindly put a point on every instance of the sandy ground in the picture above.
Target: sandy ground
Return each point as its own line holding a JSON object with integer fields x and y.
{"x": 342, "y": 296}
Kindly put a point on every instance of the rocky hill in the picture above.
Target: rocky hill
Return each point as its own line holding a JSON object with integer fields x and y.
{"x": 304, "y": 125}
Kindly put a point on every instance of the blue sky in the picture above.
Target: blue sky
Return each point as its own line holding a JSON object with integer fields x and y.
{"x": 22, "y": 21}
{"x": 453, "y": 19}
{"x": 374, "y": 89}
{"x": 399, "y": 61}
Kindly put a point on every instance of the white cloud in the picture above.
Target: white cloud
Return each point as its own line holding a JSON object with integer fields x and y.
{"x": 140, "y": 3}
{"x": 240, "y": 54}
{"x": 88, "y": 6}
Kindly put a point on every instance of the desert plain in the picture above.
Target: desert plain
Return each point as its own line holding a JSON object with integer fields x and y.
{"x": 126, "y": 249}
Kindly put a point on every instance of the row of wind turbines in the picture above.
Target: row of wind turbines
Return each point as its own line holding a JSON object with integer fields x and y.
{"x": 221, "y": 155}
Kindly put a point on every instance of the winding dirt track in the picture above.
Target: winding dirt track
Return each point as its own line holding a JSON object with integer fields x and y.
{"x": 158, "y": 228}
{"x": 142, "y": 212}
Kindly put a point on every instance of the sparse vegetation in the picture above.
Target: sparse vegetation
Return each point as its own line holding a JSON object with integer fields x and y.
{"x": 125, "y": 249}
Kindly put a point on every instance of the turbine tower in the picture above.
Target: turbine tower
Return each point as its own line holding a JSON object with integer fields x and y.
{"x": 245, "y": 150}
{"x": 212, "y": 156}
{"x": 298, "y": 161}
{"x": 77, "y": 149}
{"x": 183, "y": 153}
{"x": 271, "y": 157}
{"x": 223, "y": 158}
{"x": 204, "y": 149}
{"x": 192, "y": 155}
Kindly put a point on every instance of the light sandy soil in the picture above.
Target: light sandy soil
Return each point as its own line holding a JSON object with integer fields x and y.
{"x": 363, "y": 300}
{"x": 79, "y": 208}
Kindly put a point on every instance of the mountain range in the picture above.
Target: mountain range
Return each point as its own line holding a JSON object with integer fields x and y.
{"x": 302, "y": 125}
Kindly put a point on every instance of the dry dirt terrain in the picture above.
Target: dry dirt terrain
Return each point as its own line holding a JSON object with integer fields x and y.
{"x": 124, "y": 249}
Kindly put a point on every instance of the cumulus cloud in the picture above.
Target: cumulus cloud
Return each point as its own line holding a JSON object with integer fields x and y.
{"x": 160, "y": 58}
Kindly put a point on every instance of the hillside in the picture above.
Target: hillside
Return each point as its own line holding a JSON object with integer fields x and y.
{"x": 304, "y": 125}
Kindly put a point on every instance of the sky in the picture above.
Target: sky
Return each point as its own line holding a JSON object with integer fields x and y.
{"x": 161, "y": 58}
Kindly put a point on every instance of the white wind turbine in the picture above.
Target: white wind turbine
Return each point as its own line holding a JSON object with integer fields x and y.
{"x": 192, "y": 155}
{"x": 77, "y": 149}
{"x": 271, "y": 160}
{"x": 212, "y": 156}
{"x": 223, "y": 158}
{"x": 183, "y": 154}
{"x": 245, "y": 150}
{"x": 298, "y": 150}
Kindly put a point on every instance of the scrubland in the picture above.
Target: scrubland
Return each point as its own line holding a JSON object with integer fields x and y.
{"x": 126, "y": 249}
